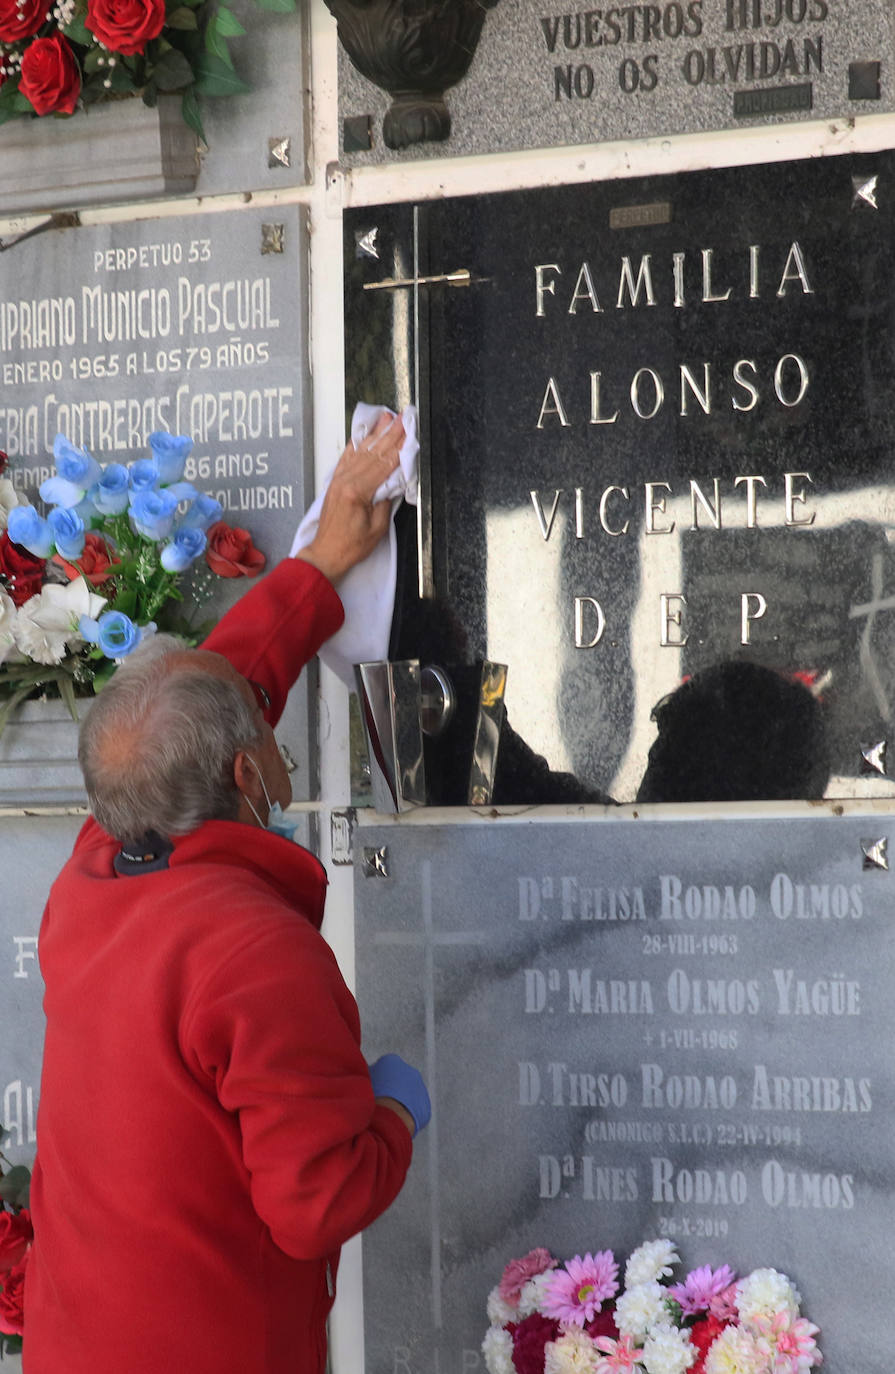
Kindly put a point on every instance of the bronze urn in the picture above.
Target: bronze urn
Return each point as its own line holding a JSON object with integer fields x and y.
{"x": 414, "y": 50}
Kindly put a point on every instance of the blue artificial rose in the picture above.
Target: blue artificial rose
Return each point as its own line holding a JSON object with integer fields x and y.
{"x": 152, "y": 513}
{"x": 58, "y": 491}
{"x": 204, "y": 511}
{"x": 24, "y": 526}
{"x": 75, "y": 465}
{"x": 114, "y": 633}
{"x": 170, "y": 453}
{"x": 111, "y": 493}
{"x": 68, "y": 530}
{"x": 186, "y": 546}
{"x": 144, "y": 475}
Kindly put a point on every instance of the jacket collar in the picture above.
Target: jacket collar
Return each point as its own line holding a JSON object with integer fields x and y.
{"x": 293, "y": 872}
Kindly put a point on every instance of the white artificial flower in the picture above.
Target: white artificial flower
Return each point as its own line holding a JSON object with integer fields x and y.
{"x": 499, "y": 1310}
{"x": 573, "y": 1352}
{"x": 9, "y": 499}
{"x": 737, "y": 1351}
{"x": 47, "y": 624}
{"x": 7, "y": 625}
{"x": 764, "y": 1293}
{"x": 531, "y": 1297}
{"x": 497, "y": 1348}
{"x": 650, "y": 1262}
{"x": 667, "y": 1350}
{"x": 641, "y": 1308}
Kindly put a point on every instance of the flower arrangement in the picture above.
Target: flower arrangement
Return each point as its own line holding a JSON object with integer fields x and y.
{"x": 553, "y": 1318}
{"x": 80, "y": 587}
{"x": 16, "y": 1235}
{"x": 58, "y": 54}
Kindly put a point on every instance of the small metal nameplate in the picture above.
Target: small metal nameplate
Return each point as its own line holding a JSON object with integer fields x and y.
{"x": 634, "y": 216}
{"x": 773, "y": 100}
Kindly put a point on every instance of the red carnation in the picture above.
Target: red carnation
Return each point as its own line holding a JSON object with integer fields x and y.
{"x": 12, "y": 1294}
{"x": 529, "y": 1338}
{"x": 703, "y": 1335}
{"x": 125, "y": 26}
{"x": 603, "y": 1324}
{"x": 96, "y": 562}
{"x": 51, "y": 77}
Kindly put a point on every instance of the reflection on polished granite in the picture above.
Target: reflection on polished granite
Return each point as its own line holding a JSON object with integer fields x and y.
{"x": 658, "y": 430}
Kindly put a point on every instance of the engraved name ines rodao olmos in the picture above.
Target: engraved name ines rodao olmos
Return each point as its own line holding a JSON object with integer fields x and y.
{"x": 710, "y": 506}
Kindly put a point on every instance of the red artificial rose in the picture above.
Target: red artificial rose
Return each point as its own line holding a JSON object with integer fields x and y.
{"x": 97, "y": 563}
{"x": 23, "y": 572}
{"x": 20, "y": 20}
{"x": 12, "y": 1293}
{"x": 4, "y": 461}
{"x": 125, "y": 26}
{"x": 16, "y": 1234}
{"x": 231, "y": 553}
{"x": 51, "y": 77}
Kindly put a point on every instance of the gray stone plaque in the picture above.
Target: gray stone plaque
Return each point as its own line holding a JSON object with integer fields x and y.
{"x": 556, "y": 75}
{"x": 32, "y": 850}
{"x": 196, "y": 326}
{"x": 632, "y": 1030}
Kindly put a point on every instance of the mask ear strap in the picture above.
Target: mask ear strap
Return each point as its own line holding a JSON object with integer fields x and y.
{"x": 264, "y": 789}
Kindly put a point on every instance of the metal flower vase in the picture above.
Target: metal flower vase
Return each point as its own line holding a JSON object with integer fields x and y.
{"x": 415, "y": 50}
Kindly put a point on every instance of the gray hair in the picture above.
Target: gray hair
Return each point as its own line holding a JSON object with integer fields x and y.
{"x": 157, "y": 745}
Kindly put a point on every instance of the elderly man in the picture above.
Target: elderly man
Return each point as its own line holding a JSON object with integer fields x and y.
{"x": 210, "y": 1133}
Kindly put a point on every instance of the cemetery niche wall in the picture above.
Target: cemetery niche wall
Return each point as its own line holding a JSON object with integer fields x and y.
{"x": 559, "y": 75}
{"x": 192, "y": 325}
{"x": 631, "y": 1030}
{"x": 657, "y": 419}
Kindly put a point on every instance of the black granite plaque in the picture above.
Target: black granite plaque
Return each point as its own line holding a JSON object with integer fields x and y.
{"x": 629, "y": 1032}
{"x": 658, "y": 424}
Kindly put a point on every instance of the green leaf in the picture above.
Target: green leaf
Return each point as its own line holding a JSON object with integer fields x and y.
{"x": 67, "y": 693}
{"x": 214, "y": 77}
{"x": 227, "y": 23}
{"x": 216, "y": 42}
{"x": 150, "y": 99}
{"x": 15, "y": 1186}
{"x": 92, "y": 61}
{"x": 11, "y": 99}
{"x": 172, "y": 71}
{"x": 192, "y": 116}
{"x": 77, "y": 30}
{"x": 182, "y": 18}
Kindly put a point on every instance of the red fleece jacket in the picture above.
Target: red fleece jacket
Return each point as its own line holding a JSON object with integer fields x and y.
{"x": 208, "y": 1135}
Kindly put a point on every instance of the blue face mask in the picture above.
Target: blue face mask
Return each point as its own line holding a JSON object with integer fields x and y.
{"x": 278, "y": 823}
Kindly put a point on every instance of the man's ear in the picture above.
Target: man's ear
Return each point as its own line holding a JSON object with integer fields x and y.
{"x": 246, "y": 775}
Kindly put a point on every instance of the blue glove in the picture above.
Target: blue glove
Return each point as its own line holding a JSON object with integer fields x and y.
{"x": 392, "y": 1077}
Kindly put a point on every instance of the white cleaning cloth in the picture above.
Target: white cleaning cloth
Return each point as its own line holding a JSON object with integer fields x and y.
{"x": 367, "y": 591}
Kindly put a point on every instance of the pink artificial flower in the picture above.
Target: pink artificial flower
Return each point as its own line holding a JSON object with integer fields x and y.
{"x": 616, "y": 1357}
{"x": 519, "y": 1271}
{"x": 700, "y": 1286}
{"x": 724, "y": 1305}
{"x": 575, "y": 1294}
{"x": 792, "y": 1340}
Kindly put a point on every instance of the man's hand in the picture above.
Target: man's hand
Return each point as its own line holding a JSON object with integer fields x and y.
{"x": 350, "y": 525}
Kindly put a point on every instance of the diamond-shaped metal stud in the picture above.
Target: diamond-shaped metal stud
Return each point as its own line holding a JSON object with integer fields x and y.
{"x": 876, "y": 853}
{"x": 873, "y": 757}
{"x": 365, "y": 239}
{"x": 273, "y": 238}
{"x": 279, "y": 152}
{"x": 865, "y": 190}
{"x": 375, "y": 862}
